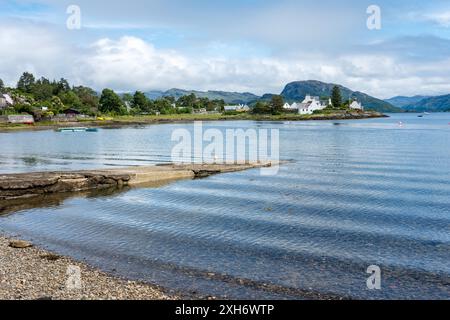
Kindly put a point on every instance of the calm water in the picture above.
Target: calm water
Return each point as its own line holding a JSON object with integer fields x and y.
{"x": 356, "y": 193}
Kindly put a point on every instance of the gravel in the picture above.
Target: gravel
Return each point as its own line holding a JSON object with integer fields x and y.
{"x": 32, "y": 273}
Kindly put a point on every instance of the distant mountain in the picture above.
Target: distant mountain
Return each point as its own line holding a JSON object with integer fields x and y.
{"x": 293, "y": 92}
{"x": 402, "y": 101}
{"x": 296, "y": 91}
{"x": 228, "y": 97}
{"x": 267, "y": 97}
{"x": 432, "y": 104}
{"x": 154, "y": 94}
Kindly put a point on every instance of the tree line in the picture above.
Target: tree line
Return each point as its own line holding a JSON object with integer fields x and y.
{"x": 55, "y": 96}
{"x": 33, "y": 95}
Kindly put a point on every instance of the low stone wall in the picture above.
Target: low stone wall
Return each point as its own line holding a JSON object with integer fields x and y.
{"x": 21, "y": 119}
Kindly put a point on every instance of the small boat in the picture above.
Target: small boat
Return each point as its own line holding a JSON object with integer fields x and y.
{"x": 77, "y": 129}
{"x": 420, "y": 116}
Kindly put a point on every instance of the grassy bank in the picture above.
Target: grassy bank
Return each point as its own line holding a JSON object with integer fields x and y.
{"x": 154, "y": 119}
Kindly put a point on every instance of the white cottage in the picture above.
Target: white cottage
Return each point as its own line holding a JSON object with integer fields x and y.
{"x": 310, "y": 104}
{"x": 238, "y": 108}
{"x": 293, "y": 106}
{"x": 5, "y": 101}
{"x": 356, "y": 105}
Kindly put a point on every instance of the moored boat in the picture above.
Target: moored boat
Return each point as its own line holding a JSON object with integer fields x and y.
{"x": 77, "y": 129}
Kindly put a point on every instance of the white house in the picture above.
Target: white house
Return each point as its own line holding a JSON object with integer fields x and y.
{"x": 5, "y": 101}
{"x": 238, "y": 108}
{"x": 293, "y": 106}
{"x": 356, "y": 105}
{"x": 310, "y": 104}
{"x": 201, "y": 111}
{"x": 8, "y": 99}
{"x": 310, "y": 98}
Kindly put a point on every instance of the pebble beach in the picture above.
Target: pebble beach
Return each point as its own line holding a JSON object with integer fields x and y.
{"x": 30, "y": 273}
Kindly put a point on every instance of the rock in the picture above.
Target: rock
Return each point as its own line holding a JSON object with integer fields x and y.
{"x": 19, "y": 244}
{"x": 50, "y": 257}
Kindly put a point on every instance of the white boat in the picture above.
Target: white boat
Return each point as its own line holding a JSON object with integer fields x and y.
{"x": 77, "y": 129}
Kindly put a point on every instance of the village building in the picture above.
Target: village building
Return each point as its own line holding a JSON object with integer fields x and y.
{"x": 310, "y": 104}
{"x": 71, "y": 112}
{"x": 200, "y": 111}
{"x": 6, "y": 101}
{"x": 237, "y": 108}
{"x": 356, "y": 105}
{"x": 293, "y": 106}
{"x": 128, "y": 106}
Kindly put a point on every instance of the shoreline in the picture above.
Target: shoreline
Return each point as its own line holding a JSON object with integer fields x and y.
{"x": 30, "y": 273}
{"x": 152, "y": 120}
{"x": 36, "y": 274}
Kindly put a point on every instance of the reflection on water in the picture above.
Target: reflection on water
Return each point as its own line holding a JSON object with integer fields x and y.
{"x": 53, "y": 200}
{"x": 356, "y": 194}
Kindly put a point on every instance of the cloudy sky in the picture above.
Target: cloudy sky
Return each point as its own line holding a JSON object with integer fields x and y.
{"x": 246, "y": 45}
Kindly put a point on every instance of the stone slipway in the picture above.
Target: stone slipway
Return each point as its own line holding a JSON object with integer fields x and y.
{"x": 26, "y": 185}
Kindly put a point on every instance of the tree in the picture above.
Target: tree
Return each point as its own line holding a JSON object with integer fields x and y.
{"x": 336, "y": 98}
{"x": 187, "y": 101}
{"x": 140, "y": 102}
{"x": 110, "y": 102}
{"x": 277, "y": 104}
{"x": 42, "y": 90}
{"x": 62, "y": 86}
{"x": 164, "y": 106}
{"x": 70, "y": 99}
{"x": 88, "y": 98}
{"x": 26, "y": 82}
{"x": 2, "y": 86}
{"x": 23, "y": 108}
{"x": 170, "y": 99}
{"x": 261, "y": 108}
{"x": 219, "y": 105}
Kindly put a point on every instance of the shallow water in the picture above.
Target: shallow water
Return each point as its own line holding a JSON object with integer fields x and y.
{"x": 356, "y": 193}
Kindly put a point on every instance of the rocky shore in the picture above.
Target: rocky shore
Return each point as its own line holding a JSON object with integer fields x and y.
{"x": 29, "y": 273}
{"x": 27, "y": 185}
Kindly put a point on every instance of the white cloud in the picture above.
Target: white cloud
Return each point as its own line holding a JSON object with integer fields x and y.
{"x": 130, "y": 63}
{"x": 440, "y": 18}
{"x": 30, "y": 47}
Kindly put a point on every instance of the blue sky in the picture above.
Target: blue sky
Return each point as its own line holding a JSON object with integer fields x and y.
{"x": 246, "y": 45}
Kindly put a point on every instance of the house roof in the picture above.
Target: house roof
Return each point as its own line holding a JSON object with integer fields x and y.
{"x": 71, "y": 110}
{"x": 8, "y": 98}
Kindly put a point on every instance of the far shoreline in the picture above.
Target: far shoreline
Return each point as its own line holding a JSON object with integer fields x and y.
{"x": 127, "y": 121}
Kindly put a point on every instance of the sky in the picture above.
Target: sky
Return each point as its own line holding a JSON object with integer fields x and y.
{"x": 253, "y": 46}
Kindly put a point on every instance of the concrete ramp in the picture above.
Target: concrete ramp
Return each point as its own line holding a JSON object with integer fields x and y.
{"x": 26, "y": 185}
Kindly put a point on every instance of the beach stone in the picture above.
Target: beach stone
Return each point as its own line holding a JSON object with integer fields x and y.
{"x": 19, "y": 244}
{"x": 50, "y": 257}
